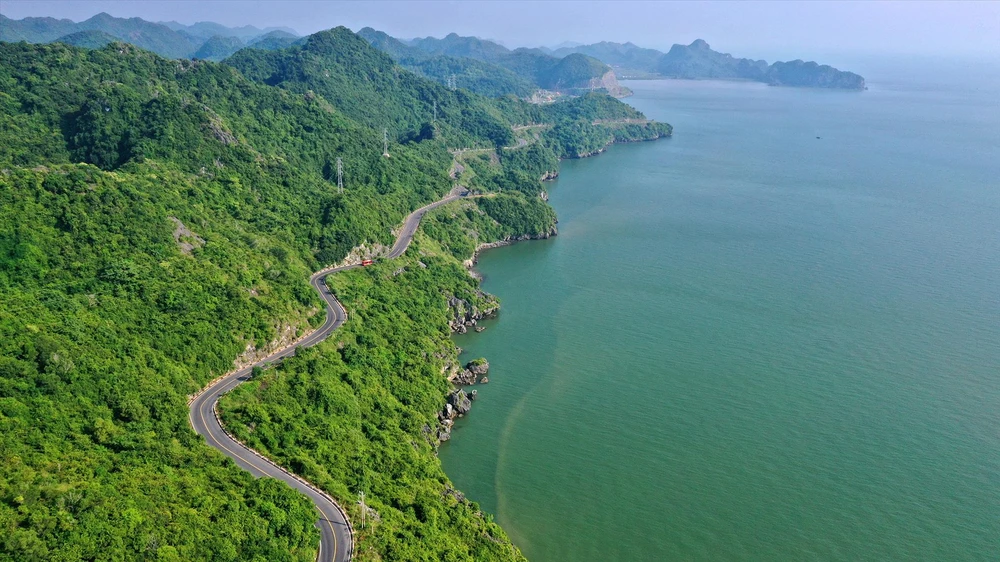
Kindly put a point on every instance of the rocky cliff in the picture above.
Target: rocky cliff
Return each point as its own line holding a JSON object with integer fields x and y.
{"x": 609, "y": 83}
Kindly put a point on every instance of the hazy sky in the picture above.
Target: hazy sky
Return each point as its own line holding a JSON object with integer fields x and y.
{"x": 771, "y": 30}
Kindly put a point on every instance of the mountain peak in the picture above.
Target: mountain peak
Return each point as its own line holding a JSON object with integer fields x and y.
{"x": 699, "y": 44}
{"x": 103, "y": 16}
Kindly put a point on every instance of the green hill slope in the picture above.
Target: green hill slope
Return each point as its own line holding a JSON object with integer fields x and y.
{"x": 533, "y": 65}
{"x": 88, "y": 39}
{"x": 108, "y": 322}
{"x": 468, "y": 73}
{"x": 275, "y": 40}
{"x": 35, "y": 30}
{"x": 367, "y": 86}
{"x": 218, "y": 47}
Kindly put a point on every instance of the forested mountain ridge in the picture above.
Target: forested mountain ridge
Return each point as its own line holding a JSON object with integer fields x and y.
{"x": 159, "y": 219}
{"x": 207, "y": 29}
{"x": 141, "y": 33}
{"x": 468, "y": 73}
{"x": 571, "y": 75}
{"x": 369, "y": 87}
{"x": 218, "y": 47}
{"x": 625, "y": 56}
{"x": 90, "y": 39}
{"x": 478, "y": 65}
{"x": 170, "y": 39}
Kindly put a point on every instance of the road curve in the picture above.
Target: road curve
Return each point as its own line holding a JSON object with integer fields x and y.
{"x": 336, "y": 536}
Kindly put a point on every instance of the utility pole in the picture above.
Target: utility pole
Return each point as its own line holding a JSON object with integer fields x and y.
{"x": 340, "y": 175}
{"x": 363, "y": 508}
{"x": 385, "y": 142}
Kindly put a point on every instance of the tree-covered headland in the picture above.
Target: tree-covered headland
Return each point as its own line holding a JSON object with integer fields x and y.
{"x": 159, "y": 220}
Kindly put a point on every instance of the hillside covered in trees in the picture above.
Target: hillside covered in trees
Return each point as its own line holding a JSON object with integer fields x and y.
{"x": 159, "y": 221}
{"x": 491, "y": 69}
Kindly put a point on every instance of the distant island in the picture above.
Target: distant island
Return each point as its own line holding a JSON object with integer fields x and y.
{"x": 699, "y": 61}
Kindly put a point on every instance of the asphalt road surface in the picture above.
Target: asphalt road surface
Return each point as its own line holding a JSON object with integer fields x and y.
{"x": 336, "y": 541}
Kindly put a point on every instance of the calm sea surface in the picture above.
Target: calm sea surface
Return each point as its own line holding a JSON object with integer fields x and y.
{"x": 750, "y": 343}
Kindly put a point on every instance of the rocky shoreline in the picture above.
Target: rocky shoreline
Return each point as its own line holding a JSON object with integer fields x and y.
{"x": 459, "y": 402}
{"x": 466, "y": 316}
{"x": 605, "y": 147}
{"x": 472, "y": 261}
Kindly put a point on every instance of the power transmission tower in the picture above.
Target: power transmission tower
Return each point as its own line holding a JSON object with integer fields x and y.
{"x": 435, "y": 110}
{"x": 340, "y": 175}
{"x": 451, "y": 83}
{"x": 385, "y": 142}
{"x": 363, "y": 508}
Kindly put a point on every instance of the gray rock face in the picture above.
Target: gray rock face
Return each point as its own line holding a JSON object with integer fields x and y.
{"x": 465, "y": 378}
{"x": 452, "y": 492}
{"x": 474, "y": 370}
{"x": 479, "y": 367}
{"x": 465, "y": 315}
{"x": 460, "y": 402}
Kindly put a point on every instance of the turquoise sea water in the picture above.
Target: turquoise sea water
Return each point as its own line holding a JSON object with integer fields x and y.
{"x": 750, "y": 343}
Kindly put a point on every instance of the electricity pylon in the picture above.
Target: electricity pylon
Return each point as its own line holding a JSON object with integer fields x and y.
{"x": 340, "y": 175}
{"x": 385, "y": 142}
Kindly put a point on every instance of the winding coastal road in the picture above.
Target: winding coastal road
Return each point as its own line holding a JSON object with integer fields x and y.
{"x": 336, "y": 536}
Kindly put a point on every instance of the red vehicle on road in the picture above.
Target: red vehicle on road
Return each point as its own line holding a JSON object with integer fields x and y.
{"x": 367, "y": 262}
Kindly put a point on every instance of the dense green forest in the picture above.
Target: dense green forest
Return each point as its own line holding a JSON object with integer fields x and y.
{"x": 487, "y": 68}
{"x": 541, "y": 68}
{"x": 469, "y": 73}
{"x": 159, "y": 220}
{"x": 357, "y": 412}
{"x": 367, "y": 86}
